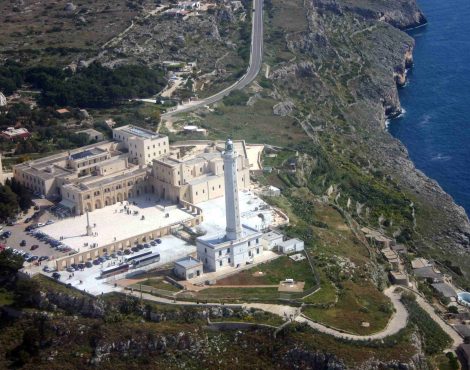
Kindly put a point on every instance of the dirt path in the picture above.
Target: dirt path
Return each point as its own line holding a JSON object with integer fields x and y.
{"x": 244, "y": 286}
{"x": 456, "y": 338}
{"x": 397, "y": 322}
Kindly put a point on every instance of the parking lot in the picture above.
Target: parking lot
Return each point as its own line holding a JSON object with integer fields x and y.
{"x": 18, "y": 234}
{"x": 89, "y": 280}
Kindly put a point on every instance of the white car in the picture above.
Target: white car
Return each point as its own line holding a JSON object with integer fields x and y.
{"x": 40, "y": 224}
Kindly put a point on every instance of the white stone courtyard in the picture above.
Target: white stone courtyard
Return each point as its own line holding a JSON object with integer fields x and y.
{"x": 115, "y": 223}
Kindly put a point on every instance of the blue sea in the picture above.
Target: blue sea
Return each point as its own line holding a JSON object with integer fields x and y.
{"x": 436, "y": 124}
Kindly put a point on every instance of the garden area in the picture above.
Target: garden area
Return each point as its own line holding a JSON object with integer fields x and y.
{"x": 357, "y": 304}
{"x": 272, "y": 273}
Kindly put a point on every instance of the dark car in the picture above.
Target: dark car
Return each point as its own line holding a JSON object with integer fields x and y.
{"x": 96, "y": 262}
{"x": 88, "y": 264}
{"x": 146, "y": 245}
{"x": 140, "y": 246}
{"x": 135, "y": 249}
{"x": 43, "y": 258}
{"x": 81, "y": 266}
{"x": 159, "y": 241}
{"x": 23, "y": 243}
{"x": 127, "y": 252}
{"x": 34, "y": 246}
{"x": 153, "y": 243}
{"x": 120, "y": 253}
{"x": 56, "y": 275}
{"x": 32, "y": 259}
{"x": 6, "y": 234}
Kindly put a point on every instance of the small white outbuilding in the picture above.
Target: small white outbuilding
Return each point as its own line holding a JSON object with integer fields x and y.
{"x": 291, "y": 246}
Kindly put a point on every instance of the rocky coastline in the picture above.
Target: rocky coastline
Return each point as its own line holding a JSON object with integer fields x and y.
{"x": 348, "y": 84}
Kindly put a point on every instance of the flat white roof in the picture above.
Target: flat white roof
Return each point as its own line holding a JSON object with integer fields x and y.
{"x": 290, "y": 242}
{"x": 251, "y": 207}
{"x": 112, "y": 223}
{"x": 272, "y": 235}
{"x": 188, "y": 262}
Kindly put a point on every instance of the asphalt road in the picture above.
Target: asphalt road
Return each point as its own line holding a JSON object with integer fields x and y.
{"x": 251, "y": 73}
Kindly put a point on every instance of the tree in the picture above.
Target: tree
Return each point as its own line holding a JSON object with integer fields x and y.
{"x": 8, "y": 203}
{"x": 10, "y": 263}
{"x": 23, "y": 194}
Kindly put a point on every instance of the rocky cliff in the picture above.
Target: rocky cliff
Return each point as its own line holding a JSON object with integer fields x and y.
{"x": 343, "y": 77}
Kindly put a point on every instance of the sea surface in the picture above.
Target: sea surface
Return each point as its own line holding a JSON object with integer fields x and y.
{"x": 436, "y": 124}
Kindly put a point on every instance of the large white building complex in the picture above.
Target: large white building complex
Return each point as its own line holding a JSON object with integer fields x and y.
{"x": 136, "y": 162}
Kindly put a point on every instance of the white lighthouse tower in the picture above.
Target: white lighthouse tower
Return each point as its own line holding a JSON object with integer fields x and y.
{"x": 238, "y": 244}
{"x": 232, "y": 206}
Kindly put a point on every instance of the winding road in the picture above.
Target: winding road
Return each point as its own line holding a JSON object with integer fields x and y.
{"x": 254, "y": 67}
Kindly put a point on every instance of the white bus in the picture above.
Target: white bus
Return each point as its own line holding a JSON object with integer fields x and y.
{"x": 133, "y": 257}
{"x": 146, "y": 260}
{"x": 114, "y": 270}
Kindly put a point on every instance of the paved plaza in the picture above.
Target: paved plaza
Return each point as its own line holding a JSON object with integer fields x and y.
{"x": 116, "y": 222}
{"x": 254, "y": 213}
{"x": 170, "y": 250}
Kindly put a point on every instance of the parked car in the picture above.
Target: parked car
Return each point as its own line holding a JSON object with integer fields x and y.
{"x": 120, "y": 253}
{"x": 127, "y": 252}
{"x": 34, "y": 247}
{"x": 70, "y": 269}
{"x": 43, "y": 258}
{"x": 23, "y": 243}
{"x": 96, "y": 262}
{"x": 6, "y": 234}
{"x": 56, "y": 275}
{"x": 159, "y": 241}
{"x": 81, "y": 266}
{"x": 153, "y": 243}
{"x": 88, "y": 264}
{"x": 50, "y": 222}
{"x": 146, "y": 245}
{"x": 135, "y": 249}
{"x": 46, "y": 269}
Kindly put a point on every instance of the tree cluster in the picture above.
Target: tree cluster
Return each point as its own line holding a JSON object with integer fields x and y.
{"x": 95, "y": 86}
{"x": 13, "y": 198}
